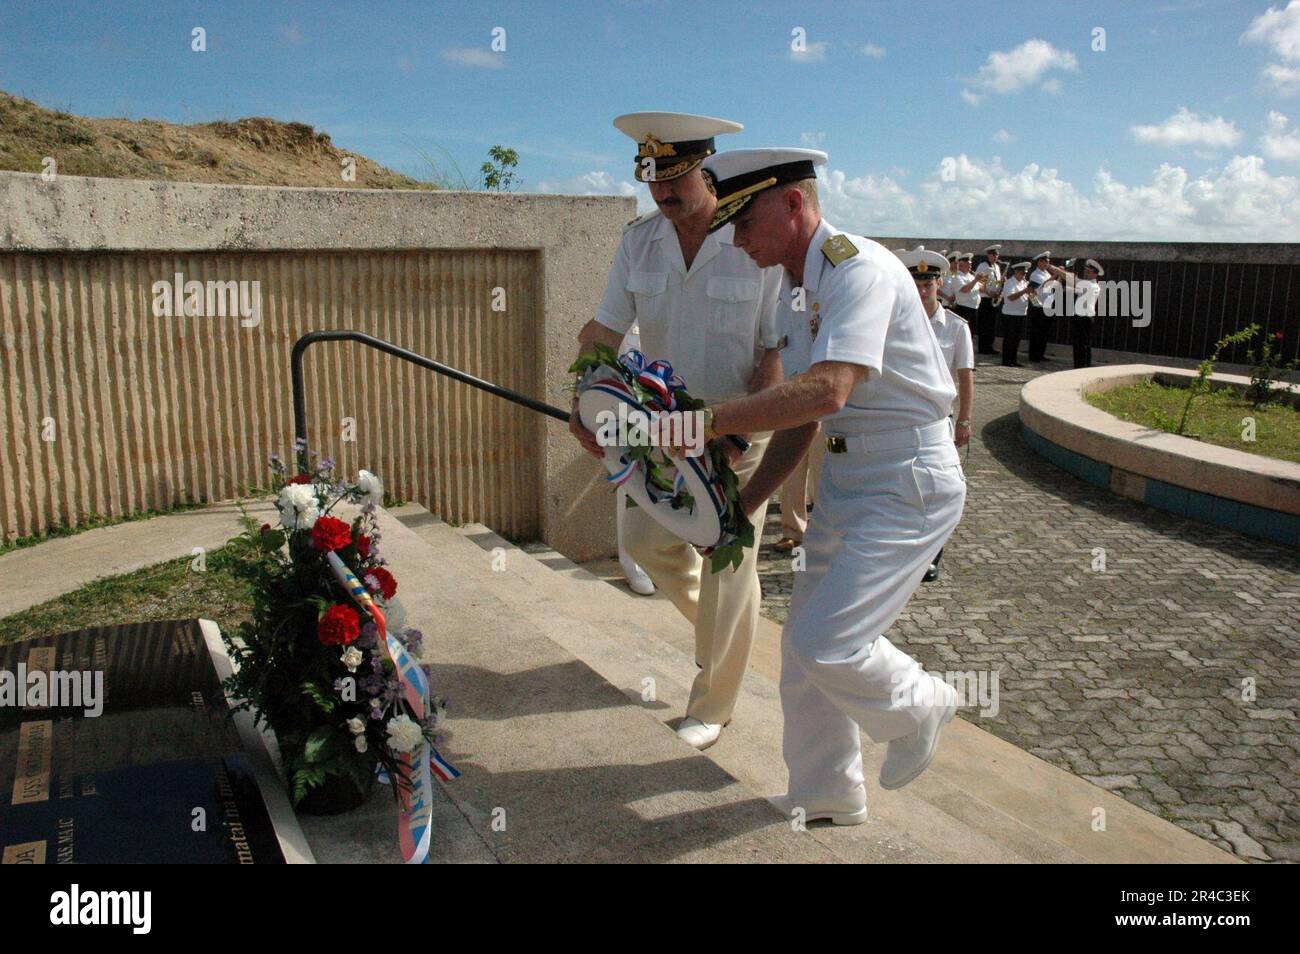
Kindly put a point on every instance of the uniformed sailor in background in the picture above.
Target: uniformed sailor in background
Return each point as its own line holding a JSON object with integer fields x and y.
{"x": 955, "y": 342}
{"x": 703, "y": 305}
{"x": 1039, "y": 299}
{"x": 990, "y": 274}
{"x": 1015, "y": 304}
{"x": 1076, "y": 298}
{"x": 964, "y": 291}
{"x": 867, "y": 365}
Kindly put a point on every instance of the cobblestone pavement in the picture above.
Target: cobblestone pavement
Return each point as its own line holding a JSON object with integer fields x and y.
{"x": 1137, "y": 677}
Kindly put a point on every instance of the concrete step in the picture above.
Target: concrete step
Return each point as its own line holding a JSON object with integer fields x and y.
{"x": 983, "y": 800}
{"x": 557, "y": 764}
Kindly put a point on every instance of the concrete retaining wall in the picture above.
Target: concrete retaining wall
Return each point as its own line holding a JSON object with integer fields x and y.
{"x": 1256, "y": 495}
{"x": 109, "y": 408}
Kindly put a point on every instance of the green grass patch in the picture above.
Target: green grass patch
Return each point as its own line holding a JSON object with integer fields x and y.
{"x": 1218, "y": 417}
{"x": 91, "y": 522}
{"x": 171, "y": 590}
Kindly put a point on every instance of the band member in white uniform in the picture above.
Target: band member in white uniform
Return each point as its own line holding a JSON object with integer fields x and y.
{"x": 1015, "y": 304}
{"x": 964, "y": 290}
{"x": 1039, "y": 299}
{"x": 703, "y": 305}
{"x": 990, "y": 284}
{"x": 866, "y": 363}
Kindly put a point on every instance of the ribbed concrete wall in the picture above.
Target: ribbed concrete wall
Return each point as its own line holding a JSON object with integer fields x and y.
{"x": 147, "y": 412}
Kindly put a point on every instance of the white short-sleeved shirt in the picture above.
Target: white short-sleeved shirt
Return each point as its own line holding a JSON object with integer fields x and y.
{"x": 1045, "y": 289}
{"x": 1021, "y": 305}
{"x": 712, "y": 322}
{"x": 866, "y": 311}
{"x": 997, "y": 275}
{"x": 953, "y": 335}
{"x": 953, "y": 289}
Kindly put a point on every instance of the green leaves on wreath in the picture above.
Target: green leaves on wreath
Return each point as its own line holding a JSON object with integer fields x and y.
{"x": 319, "y": 743}
{"x": 602, "y": 354}
{"x": 328, "y": 703}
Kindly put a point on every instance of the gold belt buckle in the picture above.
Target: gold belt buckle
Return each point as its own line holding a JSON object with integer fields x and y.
{"x": 837, "y": 445}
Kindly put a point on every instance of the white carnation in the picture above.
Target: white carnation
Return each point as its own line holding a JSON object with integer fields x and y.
{"x": 404, "y": 734}
{"x": 356, "y": 726}
{"x": 360, "y": 742}
{"x": 370, "y": 485}
{"x": 352, "y": 658}
{"x": 297, "y": 506}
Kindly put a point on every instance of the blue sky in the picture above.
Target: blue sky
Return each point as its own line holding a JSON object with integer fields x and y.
{"x": 1183, "y": 128}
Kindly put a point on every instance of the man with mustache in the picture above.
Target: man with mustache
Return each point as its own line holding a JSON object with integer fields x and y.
{"x": 701, "y": 304}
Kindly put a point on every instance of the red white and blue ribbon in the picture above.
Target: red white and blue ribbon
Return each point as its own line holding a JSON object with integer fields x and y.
{"x": 415, "y": 819}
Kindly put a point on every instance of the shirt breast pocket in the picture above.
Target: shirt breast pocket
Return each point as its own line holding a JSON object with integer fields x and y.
{"x": 735, "y": 305}
{"x": 647, "y": 289}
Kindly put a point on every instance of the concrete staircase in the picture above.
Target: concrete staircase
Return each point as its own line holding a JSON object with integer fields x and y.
{"x": 565, "y": 691}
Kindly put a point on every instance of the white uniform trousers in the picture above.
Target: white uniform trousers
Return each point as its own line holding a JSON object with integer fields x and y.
{"x": 882, "y": 515}
{"x": 724, "y": 606}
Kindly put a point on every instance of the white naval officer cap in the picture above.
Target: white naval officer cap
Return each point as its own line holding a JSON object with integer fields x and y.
{"x": 740, "y": 174}
{"x": 1093, "y": 263}
{"x": 923, "y": 263}
{"x": 670, "y": 145}
{"x": 1042, "y": 255}
{"x": 991, "y": 248}
{"x": 1019, "y": 265}
{"x": 964, "y": 257}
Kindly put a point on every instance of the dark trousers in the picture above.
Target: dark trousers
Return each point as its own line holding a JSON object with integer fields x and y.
{"x": 1038, "y": 324}
{"x": 970, "y": 315}
{"x": 1081, "y": 338}
{"x": 987, "y": 325}
{"x": 1013, "y": 327}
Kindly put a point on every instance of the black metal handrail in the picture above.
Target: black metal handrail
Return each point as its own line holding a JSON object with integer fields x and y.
{"x": 312, "y": 337}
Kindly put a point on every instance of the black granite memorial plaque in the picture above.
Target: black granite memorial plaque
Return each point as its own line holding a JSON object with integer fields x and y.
{"x": 158, "y": 775}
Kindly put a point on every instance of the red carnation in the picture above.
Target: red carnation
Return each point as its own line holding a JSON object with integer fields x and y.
{"x": 300, "y": 479}
{"x": 339, "y": 626}
{"x": 330, "y": 533}
{"x": 363, "y": 547}
{"x": 384, "y": 580}
{"x": 1277, "y": 335}
{"x": 266, "y": 528}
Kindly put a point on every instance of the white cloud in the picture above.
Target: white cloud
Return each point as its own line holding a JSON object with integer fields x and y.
{"x": 812, "y": 53}
{"x": 873, "y": 51}
{"x": 1277, "y": 142}
{"x": 1284, "y": 79}
{"x": 599, "y": 182}
{"x": 1002, "y": 136}
{"x": 1280, "y": 29}
{"x": 474, "y": 57}
{"x": 1009, "y": 71}
{"x": 1186, "y": 128}
{"x": 1239, "y": 202}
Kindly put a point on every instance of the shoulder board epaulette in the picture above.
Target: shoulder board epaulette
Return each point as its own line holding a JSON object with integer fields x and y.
{"x": 640, "y": 220}
{"x": 838, "y": 248}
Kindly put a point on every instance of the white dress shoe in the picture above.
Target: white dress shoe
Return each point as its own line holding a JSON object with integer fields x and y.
{"x": 699, "y": 734}
{"x": 909, "y": 756}
{"x": 852, "y": 812}
{"x": 637, "y": 579}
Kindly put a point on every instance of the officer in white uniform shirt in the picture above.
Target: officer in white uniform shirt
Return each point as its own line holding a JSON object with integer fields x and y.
{"x": 701, "y": 304}
{"x": 1039, "y": 300}
{"x": 955, "y": 342}
{"x": 964, "y": 291}
{"x": 1076, "y": 298}
{"x": 1015, "y": 305}
{"x": 990, "y": 284}
{"x": 866, "y": 364}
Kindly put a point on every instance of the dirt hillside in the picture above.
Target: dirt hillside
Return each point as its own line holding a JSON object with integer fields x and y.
{"x": 254, "y": 151}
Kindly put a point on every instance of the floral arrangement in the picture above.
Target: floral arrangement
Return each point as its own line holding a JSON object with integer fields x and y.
{"x": 312, "y": 665}
{"x": 657, "y": 389}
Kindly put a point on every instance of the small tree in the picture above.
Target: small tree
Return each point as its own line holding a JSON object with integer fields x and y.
{"x": 1202, "y": 383}
{"x": 498, "y": 172}
{"x": 1265, "y": 369}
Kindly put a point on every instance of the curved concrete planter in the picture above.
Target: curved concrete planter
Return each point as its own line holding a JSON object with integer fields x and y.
{"x": 1254, "y": 495}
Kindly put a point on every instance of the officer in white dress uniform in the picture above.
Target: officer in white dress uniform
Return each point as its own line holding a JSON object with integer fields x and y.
{"x": 1039, "y": 300}
{"x": 866, "y": 364}
{"x": 703, "y": 305}
{"x": 927, "y": 270}
{"x": 964, "y": 290}
{"x": 1015, "y": 305}
{"x": 990, "y": 284}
